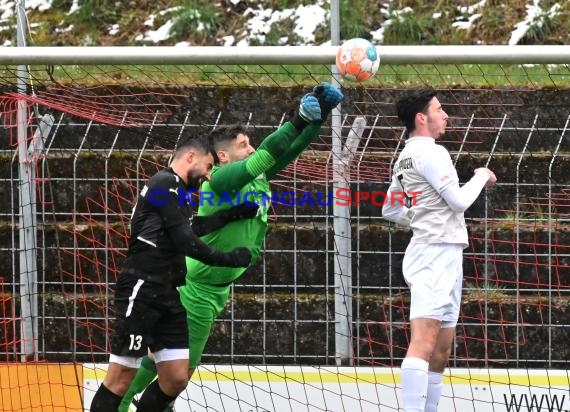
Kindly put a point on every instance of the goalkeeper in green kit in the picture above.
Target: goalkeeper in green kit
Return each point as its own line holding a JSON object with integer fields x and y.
{"x": 242, "y": 171}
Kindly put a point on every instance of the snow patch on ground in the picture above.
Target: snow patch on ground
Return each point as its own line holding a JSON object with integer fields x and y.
{"x": 306, "y": 20}
{"x": 534, "y": 16}
{"x": 469, "y": 16}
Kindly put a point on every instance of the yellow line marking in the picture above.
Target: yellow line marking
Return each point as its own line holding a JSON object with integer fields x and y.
{"x": 329, "y": 376}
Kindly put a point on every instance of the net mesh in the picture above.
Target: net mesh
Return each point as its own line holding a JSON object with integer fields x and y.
{"x": 115, "y": 126}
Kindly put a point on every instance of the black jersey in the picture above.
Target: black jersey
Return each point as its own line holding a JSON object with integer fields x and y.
{"x": 161, "y": 233}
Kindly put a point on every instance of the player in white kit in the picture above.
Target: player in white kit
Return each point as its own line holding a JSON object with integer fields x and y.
{"x": 432, "y": 265}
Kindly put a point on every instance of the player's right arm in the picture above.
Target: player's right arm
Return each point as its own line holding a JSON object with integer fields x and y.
{"x": 295, "y": 149}
{"x": 328, "y": 97}
{"x": 176, "y": 223}
{"x": 460, "y": 198}
{"x": 439, "y": 171}
{"x": 233, "y": 176}
{"x": 282, "y": 146}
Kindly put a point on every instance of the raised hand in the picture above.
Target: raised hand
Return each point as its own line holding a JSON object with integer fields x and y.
{"x": 492, "y": 178}
{"x": 310, "y": 109}
{"x": 329, "y": 97}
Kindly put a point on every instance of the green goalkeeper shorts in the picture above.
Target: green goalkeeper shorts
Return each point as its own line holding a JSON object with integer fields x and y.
{"x": 203, "y": 304}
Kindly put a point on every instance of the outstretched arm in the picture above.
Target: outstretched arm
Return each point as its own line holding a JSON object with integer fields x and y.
{"x": 235, "y": 175}
{"x": 295, "y": 149}
{"x": 283, "y": 145}
{"x": 328, "y": 97}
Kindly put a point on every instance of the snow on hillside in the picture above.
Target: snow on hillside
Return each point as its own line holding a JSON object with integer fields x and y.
{"x": 305, "y": 19}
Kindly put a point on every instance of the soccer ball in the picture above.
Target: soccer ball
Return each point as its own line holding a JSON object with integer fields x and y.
{"x": 357, "y": 60}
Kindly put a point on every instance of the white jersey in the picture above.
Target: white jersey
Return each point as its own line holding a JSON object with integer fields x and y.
{"x": 425, "y": 168}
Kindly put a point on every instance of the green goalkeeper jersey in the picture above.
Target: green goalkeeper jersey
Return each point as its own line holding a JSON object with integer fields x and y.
{"x": 234, "y": 183}
{"x": 247, "y": 232}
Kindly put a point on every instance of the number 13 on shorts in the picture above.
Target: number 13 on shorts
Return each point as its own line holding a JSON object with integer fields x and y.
{"x": 136, "y": 342}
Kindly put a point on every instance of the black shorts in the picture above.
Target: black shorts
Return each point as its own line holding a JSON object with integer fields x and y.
{"x": 147, "y": 316}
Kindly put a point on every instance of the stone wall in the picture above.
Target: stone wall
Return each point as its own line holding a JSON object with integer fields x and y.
{"x": 315, "y": 306}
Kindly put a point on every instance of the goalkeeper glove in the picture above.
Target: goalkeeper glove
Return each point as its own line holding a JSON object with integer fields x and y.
{"x": 310, "y": 108}
{"x": 328, "y": 96}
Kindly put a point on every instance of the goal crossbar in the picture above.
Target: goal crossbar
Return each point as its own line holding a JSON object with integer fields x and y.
{"x": 486, "y": 54}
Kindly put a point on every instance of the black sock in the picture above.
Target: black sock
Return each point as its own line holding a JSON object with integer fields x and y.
{"x": 105, "y": 400}
{"x": 153, "y": 399}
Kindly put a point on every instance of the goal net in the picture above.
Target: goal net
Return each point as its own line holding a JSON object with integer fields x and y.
{"x": 320, "y": 323}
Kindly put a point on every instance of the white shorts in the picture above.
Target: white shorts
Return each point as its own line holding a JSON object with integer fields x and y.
{"x": 165, "y": 355}
{"x": 434, "y": 273}
{"x": 128, "y": 361}
{"x": 162, "y": 355}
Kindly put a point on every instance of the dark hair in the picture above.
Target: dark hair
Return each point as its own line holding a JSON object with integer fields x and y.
{"x": 197, "y": 143}
{"x": 414, "y": 102}
{"x": 221, "y": 135}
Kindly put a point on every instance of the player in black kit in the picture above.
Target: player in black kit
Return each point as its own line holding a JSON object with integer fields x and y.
{"x": 149, "y": 315}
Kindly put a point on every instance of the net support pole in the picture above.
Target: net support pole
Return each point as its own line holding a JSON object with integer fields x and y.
{"x": 342, "y": 261}
{"x": 27, "y": 215}
{"x": 342, "y": 159}
{"x": 343, "y": 246}
{"x": 341, "y": 223}
{"x": 28, "y": 238}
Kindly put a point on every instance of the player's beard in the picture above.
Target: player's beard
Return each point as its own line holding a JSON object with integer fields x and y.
{"x": 436, "y": 129}
{"x": 193, "y": 182}
{"x": 444, "y": 131}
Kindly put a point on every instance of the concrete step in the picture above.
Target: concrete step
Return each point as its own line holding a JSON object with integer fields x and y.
{"x": 281, "y": 324}
{"x": 528, "y": 118}
{"x": 297, "y": 255}
{"x": 78, "y": 183}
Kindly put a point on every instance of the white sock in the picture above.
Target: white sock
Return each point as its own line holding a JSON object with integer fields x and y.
{"x": 414, "y": 384}
{"x": 433, "y": 391}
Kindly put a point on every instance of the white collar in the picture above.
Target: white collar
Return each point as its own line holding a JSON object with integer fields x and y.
{"x": 420, "y": 138}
